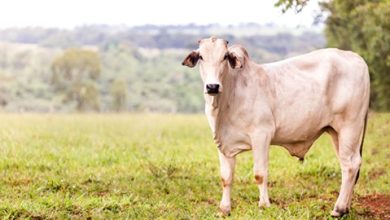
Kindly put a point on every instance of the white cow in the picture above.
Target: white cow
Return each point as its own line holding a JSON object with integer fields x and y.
{"x": 288, "y": 103}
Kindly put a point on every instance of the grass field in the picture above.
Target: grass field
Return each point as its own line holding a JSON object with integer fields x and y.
{"x": 166, "y": 166}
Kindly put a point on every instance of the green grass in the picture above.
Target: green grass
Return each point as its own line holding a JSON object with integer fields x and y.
{"x": 138, "y": 166}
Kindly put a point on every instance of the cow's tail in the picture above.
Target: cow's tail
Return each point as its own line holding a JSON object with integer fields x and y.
{"x": 361, "y": 145}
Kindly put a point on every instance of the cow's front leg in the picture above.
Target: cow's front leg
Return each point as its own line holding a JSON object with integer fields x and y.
{"x": 227, "y": 173}
{"x": 260, "y": 147}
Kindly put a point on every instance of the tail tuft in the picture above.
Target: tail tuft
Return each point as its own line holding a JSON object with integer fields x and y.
{"x": 361, "y": 144}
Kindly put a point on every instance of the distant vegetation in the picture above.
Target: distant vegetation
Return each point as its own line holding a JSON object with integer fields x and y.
{"x": 131, "y": 69}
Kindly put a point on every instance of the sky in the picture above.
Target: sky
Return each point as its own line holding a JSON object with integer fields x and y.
{"x": 72, "y": 13}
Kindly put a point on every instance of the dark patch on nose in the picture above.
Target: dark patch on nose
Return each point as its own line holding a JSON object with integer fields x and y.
{"x": 212, "y": 88}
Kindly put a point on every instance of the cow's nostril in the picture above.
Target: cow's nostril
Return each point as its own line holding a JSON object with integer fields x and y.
{"x": 212, "y": 88}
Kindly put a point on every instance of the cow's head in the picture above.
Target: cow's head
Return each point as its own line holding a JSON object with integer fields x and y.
{"x": 214, "y": 59}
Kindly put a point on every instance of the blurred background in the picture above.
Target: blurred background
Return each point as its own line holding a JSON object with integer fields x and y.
{"x": 121, "y": 56}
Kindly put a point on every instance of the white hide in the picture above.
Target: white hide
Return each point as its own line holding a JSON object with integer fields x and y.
{"x": 288, "y": 103}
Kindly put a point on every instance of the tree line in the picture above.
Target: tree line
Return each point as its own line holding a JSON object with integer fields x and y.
{"x": 114, "y": 68}
{"x": 105, "y": 68}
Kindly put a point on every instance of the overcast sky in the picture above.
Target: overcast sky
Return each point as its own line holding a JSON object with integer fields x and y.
{"x": 71, "y": 13}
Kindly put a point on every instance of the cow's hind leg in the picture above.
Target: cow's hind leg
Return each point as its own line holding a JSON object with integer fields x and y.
{"x": 227, "y": 165}
{"x": 348, "y": 151}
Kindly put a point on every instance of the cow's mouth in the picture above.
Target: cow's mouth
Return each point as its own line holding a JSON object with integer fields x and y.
{"x": 213, "y": 93}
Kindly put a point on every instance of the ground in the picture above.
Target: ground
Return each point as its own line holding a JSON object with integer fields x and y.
{"x": 139, "y": 166}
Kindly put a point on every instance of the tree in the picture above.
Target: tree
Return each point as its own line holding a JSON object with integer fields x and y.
{"x": 119, "y": 95}
{"x": 286, "y": 5}
{"x": 74, "y": 74}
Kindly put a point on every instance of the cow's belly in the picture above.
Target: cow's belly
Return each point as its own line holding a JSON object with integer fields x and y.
{"x": 293, "y": 135}
{"x": 302, "y": 129}
{"x": 302, "y": 118}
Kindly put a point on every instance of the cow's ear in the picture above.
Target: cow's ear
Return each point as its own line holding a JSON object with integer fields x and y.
{"x": 234, "y": 62}
{"x": 191, "y": 59}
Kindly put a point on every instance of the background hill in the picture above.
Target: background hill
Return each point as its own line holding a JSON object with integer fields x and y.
{"x": 140, "y": 67}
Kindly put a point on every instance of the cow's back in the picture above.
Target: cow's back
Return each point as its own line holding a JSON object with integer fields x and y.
{"x": 310, "y": 90}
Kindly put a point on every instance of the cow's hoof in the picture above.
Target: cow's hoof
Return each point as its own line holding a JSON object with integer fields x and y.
{"x": 264, "y": 204}
{"x": 224, "y": 210}
{"x": 338, "y": 213}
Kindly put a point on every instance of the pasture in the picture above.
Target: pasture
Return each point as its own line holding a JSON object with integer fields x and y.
{"x": 148, "y": 166}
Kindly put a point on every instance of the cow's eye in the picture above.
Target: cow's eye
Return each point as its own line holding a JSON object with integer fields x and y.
{"x": 200, "y": 57}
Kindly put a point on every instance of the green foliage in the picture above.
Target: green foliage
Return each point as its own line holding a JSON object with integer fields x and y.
{"x": 119, "y": 95}
{"x": 297, "y": 5}
{"x": 73, "y": 74}
{"x": 45, "y": 75}
{"x": 85, "y": 94}
{"x": 148, "y": 166}
{"x": 364, "y": 27}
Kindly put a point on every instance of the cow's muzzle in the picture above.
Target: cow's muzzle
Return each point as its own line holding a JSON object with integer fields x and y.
{"x": 212, "y": 88}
